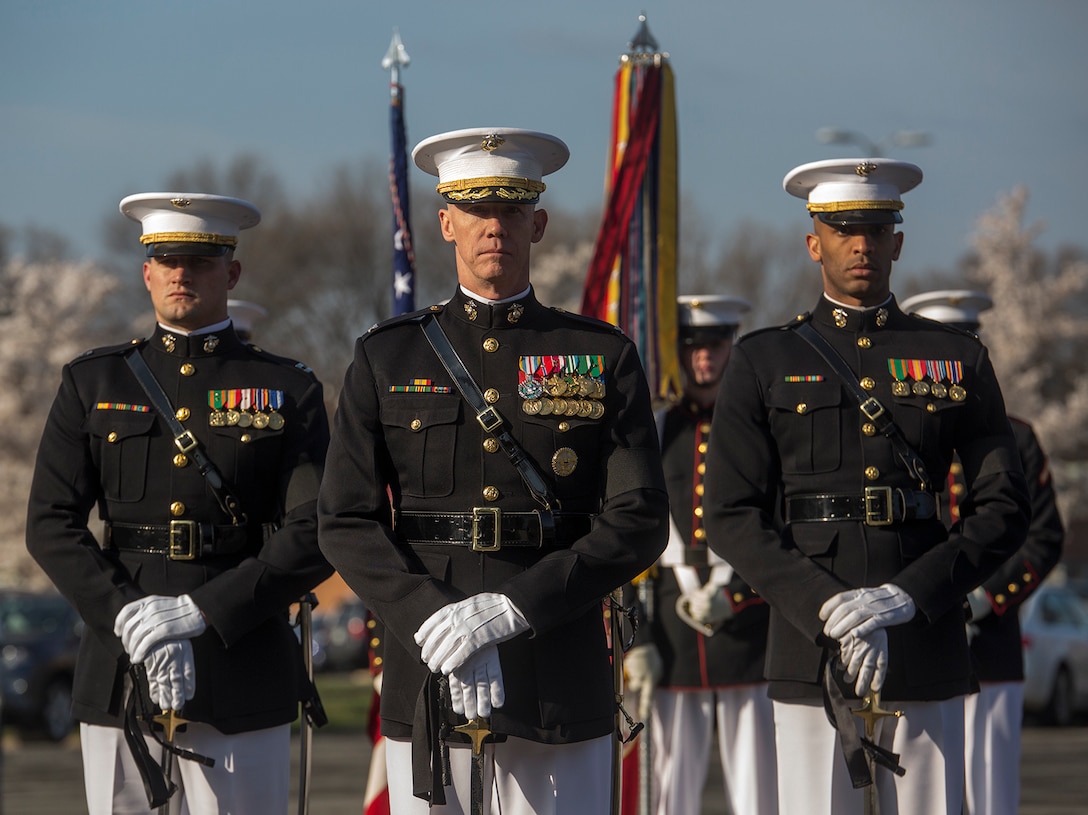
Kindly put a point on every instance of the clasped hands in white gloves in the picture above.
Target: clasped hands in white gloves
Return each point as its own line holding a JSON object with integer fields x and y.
{"x": 171, "y": 674}
{"x": 457, "y": 631}
{"x": 476, "y": 685}
{"x": 144, "y": 623}
{"x": 644, "y": 668}
{"x": 459, "y": 640}
{"x": 709, "y": 605}
{"x": 856, "y": 619}
{"x": 861, "y": 611}
{"x": 865, "y": 659}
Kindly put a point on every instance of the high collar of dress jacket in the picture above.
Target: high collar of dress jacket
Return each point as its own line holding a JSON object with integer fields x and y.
{"x": 840, "y": 318}
{"x": 509, "y": 314}
{"x": 207, "y": 344}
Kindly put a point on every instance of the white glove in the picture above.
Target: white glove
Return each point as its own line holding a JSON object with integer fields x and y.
{"x": 979, "y": 603}
{"x": 476, "y": 685}
{"x": 457, "y": 631}
{"x": 866, "y": 659}
{"x": 709, "y": 605}
{"x": 644, "y": 668}
{"x": 171, "y": 674}
{"x": 150, "y": 620}
{"x": 862, "y": 611}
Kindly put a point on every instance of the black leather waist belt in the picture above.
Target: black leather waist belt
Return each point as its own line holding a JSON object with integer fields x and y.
{"x": 183, "y": 540}
{"x": 489, "y": 529}
{"x": 877, "y": 506}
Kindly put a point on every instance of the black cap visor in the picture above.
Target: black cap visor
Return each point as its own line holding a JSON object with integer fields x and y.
{"x": 205, "y": 250}
{"x": 706, "y": 334}
{"x": 856, "y": 217}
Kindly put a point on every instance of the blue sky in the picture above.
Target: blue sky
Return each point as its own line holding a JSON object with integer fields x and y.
{"x": 101, "y": 99}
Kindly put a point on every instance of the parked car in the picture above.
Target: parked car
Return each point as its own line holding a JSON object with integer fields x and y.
{"x": 344, "y": 637}
{"x": 39, "y": 641}
{"x": 1054, "y": 628}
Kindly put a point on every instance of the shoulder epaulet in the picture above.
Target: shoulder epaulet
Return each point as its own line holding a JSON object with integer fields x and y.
{"x": 253, "y": 348}
{"x": 587, "y": 320}
{"x": 954, "y": 329}
{"x": 111, "y": 350}
{"x": 409, "y": 317}
{"x": 796, "y": 321}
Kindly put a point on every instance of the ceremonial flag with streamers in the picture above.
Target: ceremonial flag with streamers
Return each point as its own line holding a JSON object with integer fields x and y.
{"x": 632, "y": 278}
{"x": 404, "y": 262}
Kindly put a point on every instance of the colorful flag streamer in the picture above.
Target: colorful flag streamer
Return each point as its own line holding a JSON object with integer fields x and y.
{"x": 631, "y": 281}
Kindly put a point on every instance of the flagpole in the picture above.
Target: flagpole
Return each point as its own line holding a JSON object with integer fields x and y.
{"x": 403, "y": 257}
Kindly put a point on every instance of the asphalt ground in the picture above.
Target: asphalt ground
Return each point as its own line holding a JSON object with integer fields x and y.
{"x": 40, "y": 778}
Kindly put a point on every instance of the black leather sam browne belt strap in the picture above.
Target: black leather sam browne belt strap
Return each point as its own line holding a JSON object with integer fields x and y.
{"x": 184, "y": 439}
{"x": 869, "y": 405}
{"x": 489, "y": 529}
{"x": 489, "y": 418}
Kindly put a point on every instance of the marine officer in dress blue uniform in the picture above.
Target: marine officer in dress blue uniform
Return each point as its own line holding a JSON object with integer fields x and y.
{"x": 826, "y": 455}
{"x": 209, "y": 528}
{"x": 699, "y": 651}
{"x": 995, "y": 714}
{"x": 484, "y": 530}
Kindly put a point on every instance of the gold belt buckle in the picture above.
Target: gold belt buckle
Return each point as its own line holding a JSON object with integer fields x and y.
{"x": 495, "y": 544}
{"x": 878, "y": 506}
{"x": 184, "y": 537}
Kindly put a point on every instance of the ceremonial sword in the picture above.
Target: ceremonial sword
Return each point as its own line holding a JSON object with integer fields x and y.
{"x": 869, "y": 712}
{"x": 478, "y": 730}
{"x": 170, "y": 720}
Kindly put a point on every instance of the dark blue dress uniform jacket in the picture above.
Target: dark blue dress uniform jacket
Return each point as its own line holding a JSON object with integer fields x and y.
{"x": 100, "y": 447}
{"x": 691, "y": 660}
{"x": 425, "y": 452}
{"x": 996, "y": 651}
{"x": 788, "y": 427}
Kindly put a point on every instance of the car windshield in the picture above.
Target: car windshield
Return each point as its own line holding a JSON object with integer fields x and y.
{"x": 1063, "y": 608}
{"x": 24, "y": 615}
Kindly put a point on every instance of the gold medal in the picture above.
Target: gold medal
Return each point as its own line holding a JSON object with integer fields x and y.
{"x": 597, "y": 411}
{"x": 217, "y": 418}
{"x": 275, "y": 421}
{"x": 564, "y": 461}
{"x": 260, "y": 420}
{"x": 900, "y": 388}
{"x": 546, "y": 406}
{"x": 938, "y": 390}
{"x": 555, "y": 385}
{"x": 921, "y": 388}
{"x": 585, "y": 407}
{"x": 586, "y": 386}
{"x": 531, "y": 406}
{"x": 245, "y": 418}
{"x": 957, "y": 393}
{"x": 559, "y": 407}
{"x": 233, "y": 417}
{"x": 572, "y": 386}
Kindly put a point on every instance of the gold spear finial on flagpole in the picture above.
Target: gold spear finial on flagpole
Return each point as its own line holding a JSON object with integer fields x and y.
{"x": 643, "y": 46}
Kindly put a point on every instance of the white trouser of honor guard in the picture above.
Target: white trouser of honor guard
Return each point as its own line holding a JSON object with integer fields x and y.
{"x": 993, "y": 717}
{"x": 812, "y": 774}
{"x": 521, "y": 777}
{"x": 681, "y": 729}
{"x": 251, "y": 776}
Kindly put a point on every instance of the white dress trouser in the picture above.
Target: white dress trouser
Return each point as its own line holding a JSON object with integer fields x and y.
{"x": 520, "y": 778}
{"x": 681, "y": 728}
{"x": 812, "y": 774}
{"x": 993, "y": 718}
{"x": 251, "y": 775}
